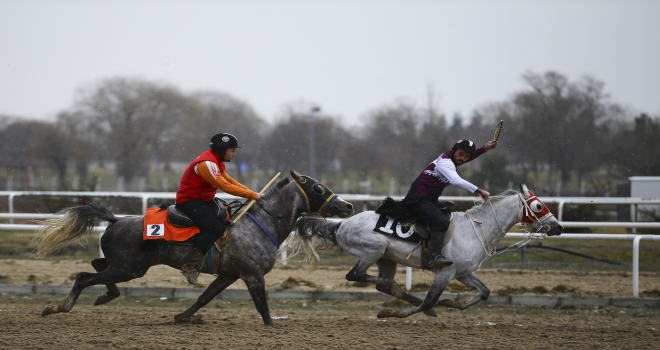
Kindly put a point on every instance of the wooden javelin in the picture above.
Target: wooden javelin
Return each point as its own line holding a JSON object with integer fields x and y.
{"x": 252, "y": 200}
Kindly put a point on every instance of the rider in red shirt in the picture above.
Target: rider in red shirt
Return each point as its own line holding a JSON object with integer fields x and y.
{"x": 203, "y": 177}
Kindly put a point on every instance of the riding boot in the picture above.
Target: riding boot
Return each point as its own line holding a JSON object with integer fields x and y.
{"x": 191, "y": 268}
{"x": 437, "y": 260}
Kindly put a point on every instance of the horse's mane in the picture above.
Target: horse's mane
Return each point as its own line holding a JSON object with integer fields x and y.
{"x": 276, "y": 188}
{"x": 494, "y": 199}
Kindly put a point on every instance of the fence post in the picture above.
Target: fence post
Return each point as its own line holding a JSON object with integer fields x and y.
{"x": 408, "y": 278}
{"x": 636, "y": 264}
{"x": 10, "y": 198}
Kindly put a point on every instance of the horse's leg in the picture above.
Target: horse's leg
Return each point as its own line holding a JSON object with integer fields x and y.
{"x": 217, "y": 286}
{"x": 473, "y": 281}
{"x": 110, "y": 275}
{"x": 387, "y": 269}
{"x": 257, "y": 288}
{"x": 385, "y": 283}
{"x": 101, "y": 265}
{"x": 440, "y": 282}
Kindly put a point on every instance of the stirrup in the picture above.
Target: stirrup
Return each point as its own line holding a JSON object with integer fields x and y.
{"x": 439, "y": 262}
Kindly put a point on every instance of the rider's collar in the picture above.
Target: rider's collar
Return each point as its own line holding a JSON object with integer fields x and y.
{"x": 315, "y": 196}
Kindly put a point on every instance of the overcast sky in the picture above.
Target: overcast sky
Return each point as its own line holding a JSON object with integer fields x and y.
{"x": 346, "y": 56}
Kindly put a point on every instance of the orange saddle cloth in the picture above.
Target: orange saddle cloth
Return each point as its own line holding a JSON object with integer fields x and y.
{"x": 156, "y": 226}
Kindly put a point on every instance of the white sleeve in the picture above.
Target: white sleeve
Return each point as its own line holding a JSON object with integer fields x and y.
{"x": 446, "y": 168}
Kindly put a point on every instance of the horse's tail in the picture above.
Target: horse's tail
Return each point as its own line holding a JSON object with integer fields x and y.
{"x": 76, "y": 222}
{"x": 309, "y": 234}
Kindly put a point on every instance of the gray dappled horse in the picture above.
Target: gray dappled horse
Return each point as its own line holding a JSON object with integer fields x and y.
{"x": 490, "y": 219}
{"x": 249, "y": 253}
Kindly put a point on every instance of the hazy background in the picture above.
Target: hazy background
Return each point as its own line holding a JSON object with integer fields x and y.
{"x": 347, "y": 56}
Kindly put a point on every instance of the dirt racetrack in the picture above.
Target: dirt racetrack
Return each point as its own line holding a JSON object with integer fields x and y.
{"x": 137, "y": 324}
{"x": 503, "y": 281}
{"x": 147, "y": 322}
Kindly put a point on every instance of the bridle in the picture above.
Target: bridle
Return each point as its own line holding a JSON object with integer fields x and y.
{"x": 526, "y": 216}
{"x": 306, "y": 202}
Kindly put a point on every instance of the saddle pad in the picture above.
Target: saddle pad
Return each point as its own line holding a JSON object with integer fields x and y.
{"x": 406, "y": 231}
{"x": 156, "y": 226}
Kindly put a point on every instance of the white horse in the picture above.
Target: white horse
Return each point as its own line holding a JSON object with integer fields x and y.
{"x": 470, "y": 241}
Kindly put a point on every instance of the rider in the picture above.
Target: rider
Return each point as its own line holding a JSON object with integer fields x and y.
{"x": 197, "y": 189}
{"x": 428, "y": 186}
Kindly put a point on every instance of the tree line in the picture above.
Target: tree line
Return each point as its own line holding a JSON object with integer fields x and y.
{"x": 555, "y": 131}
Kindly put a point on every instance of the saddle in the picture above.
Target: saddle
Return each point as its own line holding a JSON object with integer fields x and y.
{"x": 395, "y": 209}
{"x": 171, "y": 224}
{"x": 397, "y": 221}
{"x": 179, "y": 219}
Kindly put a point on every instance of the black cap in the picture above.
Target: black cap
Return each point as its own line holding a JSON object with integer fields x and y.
{"x": 465, "y": 145}
{"x": 223, "y": 140}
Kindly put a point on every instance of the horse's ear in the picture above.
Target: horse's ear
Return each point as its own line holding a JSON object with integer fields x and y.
{"x": 296, "y": 176}
{"x": 524, "y": 191}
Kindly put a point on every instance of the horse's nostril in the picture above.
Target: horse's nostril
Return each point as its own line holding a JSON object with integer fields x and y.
{"x": 349, "y": 206}
{"x": 560, "y": 228}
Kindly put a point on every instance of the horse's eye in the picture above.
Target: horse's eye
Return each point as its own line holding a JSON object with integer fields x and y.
{"x": 536, "y": 206}
{"x": 318, "y": 189}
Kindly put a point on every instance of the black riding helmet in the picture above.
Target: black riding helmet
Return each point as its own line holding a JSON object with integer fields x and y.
{"x": 465, "y": 145}
{"x": 220, "y": 142}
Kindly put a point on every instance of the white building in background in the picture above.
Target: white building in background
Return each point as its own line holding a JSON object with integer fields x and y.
{"x": 646, "y": 187}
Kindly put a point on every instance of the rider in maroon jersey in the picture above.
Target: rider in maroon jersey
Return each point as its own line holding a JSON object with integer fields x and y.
{"x": 428, "y": 186}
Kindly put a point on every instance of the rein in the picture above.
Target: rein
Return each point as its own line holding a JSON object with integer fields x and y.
{"x": 524, "y": 207}
{"x": 277, "y": 227}
{"x": 306, "y": 208}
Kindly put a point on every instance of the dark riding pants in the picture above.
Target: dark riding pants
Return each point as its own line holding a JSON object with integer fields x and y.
{"x": 427, "y": 212}
{"x": 202, "y": 215}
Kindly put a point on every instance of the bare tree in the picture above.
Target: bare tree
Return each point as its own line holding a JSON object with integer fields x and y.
{"x": 51, "y": 145}
{"x": 636, "y": 152}
{"x": 287, "y": 145}
{"x": 133, "y": 117}
{"x": 209, "y": 113}
{"x": 402, "y": 139}
{"x": 557, "y": 123}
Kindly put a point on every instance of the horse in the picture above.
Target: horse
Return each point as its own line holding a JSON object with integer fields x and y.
{"x": 475, "y": 235}
{"x": 249, "y": 253}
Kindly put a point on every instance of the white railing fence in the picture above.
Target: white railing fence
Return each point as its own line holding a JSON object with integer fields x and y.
{"x": 634, "y": 202}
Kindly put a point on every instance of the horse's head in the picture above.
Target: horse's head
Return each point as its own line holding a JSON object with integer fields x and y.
{"x": 536, "y": 214}
{"x": 319, "y": 199}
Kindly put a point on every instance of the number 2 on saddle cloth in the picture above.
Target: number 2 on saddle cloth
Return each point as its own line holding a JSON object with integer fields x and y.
{"x": 156, "y": 226}
{"x": 158, "y": 223}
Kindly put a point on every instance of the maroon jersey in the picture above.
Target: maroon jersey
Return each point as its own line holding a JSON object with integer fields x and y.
{"x": 439, "y": 174}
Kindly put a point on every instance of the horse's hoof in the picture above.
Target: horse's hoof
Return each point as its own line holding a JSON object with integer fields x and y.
{"x": 48, "y": 310}
{"x": 430, "y": 312}
{"x": 180, "y": 318}
{"x": 102, "y": 299}
{"x": 385, "y": 313}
